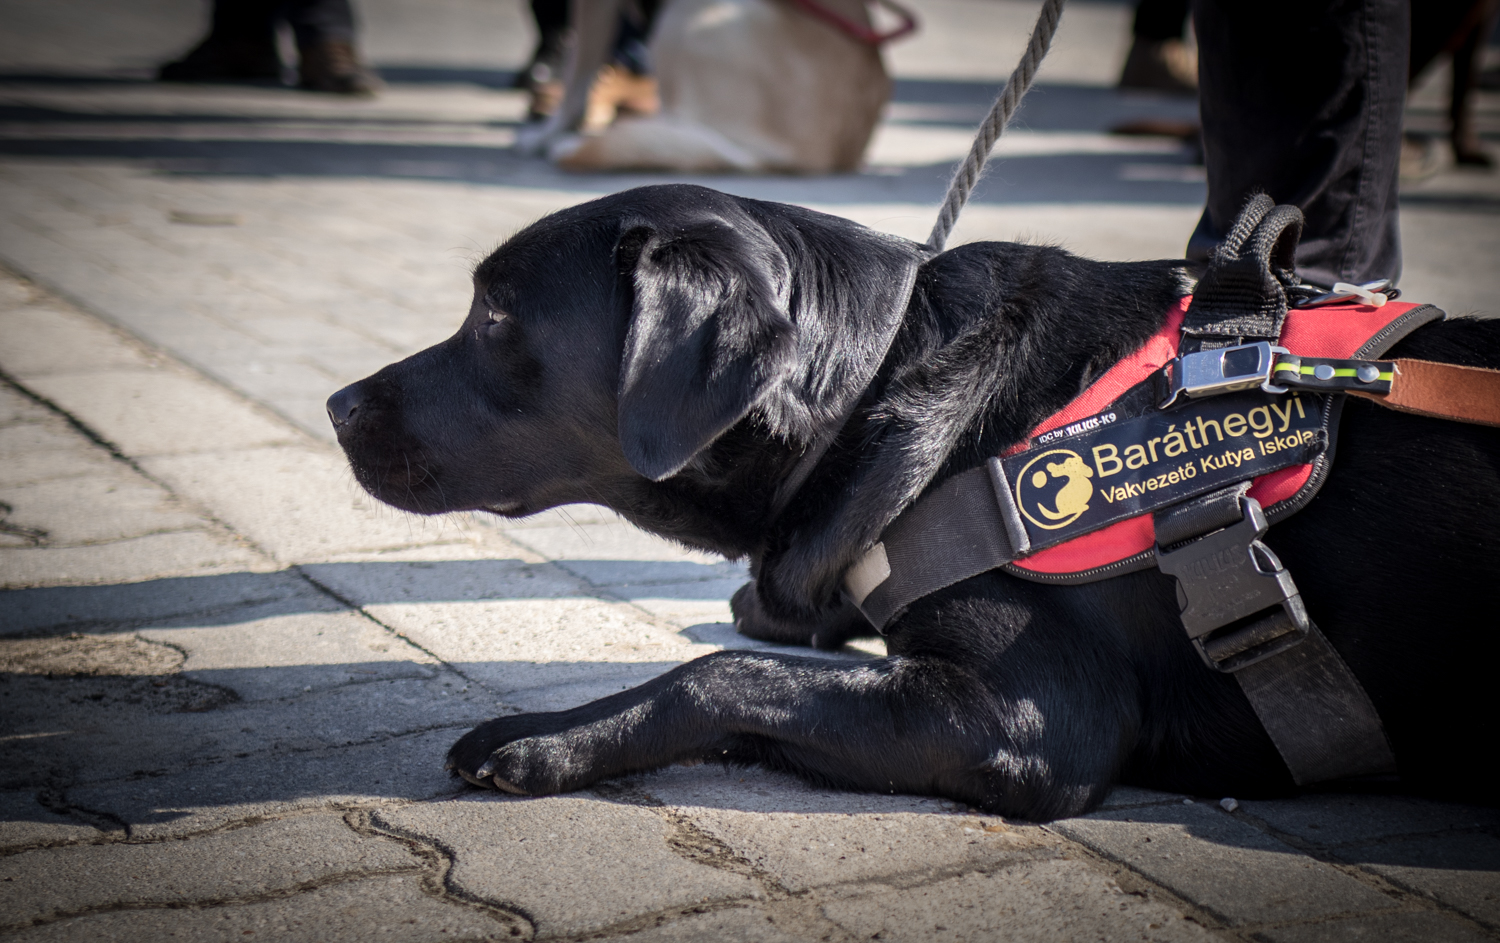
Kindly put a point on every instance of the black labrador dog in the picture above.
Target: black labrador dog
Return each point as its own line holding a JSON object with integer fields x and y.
{"x": 672, "y": 352}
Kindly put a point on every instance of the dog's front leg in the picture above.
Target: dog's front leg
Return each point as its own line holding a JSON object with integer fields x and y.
{"x": 916, "y": 725}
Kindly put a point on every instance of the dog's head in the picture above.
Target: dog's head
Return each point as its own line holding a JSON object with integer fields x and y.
{"x": 607, "y": 347}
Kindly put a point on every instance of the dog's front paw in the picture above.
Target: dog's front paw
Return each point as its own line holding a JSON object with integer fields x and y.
{"x": 511, "y": 754}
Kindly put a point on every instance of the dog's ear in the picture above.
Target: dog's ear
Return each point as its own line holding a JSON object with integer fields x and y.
{"x": 709, "y": 336}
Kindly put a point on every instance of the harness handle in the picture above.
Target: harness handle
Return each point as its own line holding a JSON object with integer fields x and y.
{"x": 1243, "y": 295}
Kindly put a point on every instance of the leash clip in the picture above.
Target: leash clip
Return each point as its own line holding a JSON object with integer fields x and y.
{"x": 1223, "y": 370}
{"x": 1239, "y": 604}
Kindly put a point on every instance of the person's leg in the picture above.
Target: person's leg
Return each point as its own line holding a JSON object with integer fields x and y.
{"x": 1160, "y": 19}
{"x": 1304, "y": 100}
{"x": 240, "y": 46}
{"x": 327, "y": 58}
{"x": 542, "y": 76}
{"x": 1159, "y": 60}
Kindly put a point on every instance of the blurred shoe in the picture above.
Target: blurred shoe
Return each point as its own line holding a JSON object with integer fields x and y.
{"x": 1468, "y": 152}
{"x": 545, "y": 97}
{"x": 1161, "y": 66}
{"x": 225, "y": 61}
{"x": 618, "y": 91}
{"x": 1420, "y": 157}
{"x": 333, "y": 66}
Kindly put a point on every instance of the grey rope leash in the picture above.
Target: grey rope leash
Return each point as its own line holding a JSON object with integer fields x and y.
{"x": 1000, "y": 114}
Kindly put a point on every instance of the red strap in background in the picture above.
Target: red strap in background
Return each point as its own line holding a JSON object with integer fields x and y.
{"x": 857, "y": 31}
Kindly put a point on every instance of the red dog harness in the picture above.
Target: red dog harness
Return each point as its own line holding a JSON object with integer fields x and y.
{"x": 1334, "y": 332}
{"x": 1179, "y": 457}
{"x": 1080, "y": 500}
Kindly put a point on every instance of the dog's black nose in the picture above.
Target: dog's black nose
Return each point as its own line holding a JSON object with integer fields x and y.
{"x": 344, "y": 404}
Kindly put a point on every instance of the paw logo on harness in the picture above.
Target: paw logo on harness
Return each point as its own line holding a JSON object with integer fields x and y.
{"x": 1053, "y": 490}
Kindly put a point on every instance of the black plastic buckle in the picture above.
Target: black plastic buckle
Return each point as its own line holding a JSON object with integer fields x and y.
{"x": 1239, "y": 604}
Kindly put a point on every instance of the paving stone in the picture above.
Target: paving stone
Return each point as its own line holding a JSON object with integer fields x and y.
{"x": 286, "y": 655}
{"x": 570, "y": 863}
{"x": 213, "y": 598}
{"x": 207, "y": 797}
{"x": 1336, "y": 819}
{"x": 731, "y": 925}
{"x": 1047, "y": 900}
{"x": 1461, "y": 869}
{"x": 237, "y": 863}
{"x": 14, "y": 407}
{"x": 1422, "y": 927}
{"x": 161, "y": 412}
{"x": 1192, "y": 849}
{"x": 685, "y": 604}
{"x": 53, "y": 338}
{"x": 97, "y": 508}
{"x": 300, "y": 503}
{"x": 723, "y": 635}
{"x": 1128, "y": 797}
{"x": 88, "y": 729}
{"x": 390, "y": 907}
{"x": 48, "y": 450}
{"x": 152, "y": 557}
{"x": 450, "y": 573}
{"x": 542, "y": 654}
{"x": 24, "y": 822}
{"x": 807, "y": 838}
{"x": 618, "y": 554}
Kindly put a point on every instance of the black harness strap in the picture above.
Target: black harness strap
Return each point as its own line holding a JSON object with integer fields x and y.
{"x": 1239, "y": 604}
{"x": 965, "y": 526}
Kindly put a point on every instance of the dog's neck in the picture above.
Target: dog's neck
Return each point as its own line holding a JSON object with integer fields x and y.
{"x": 996, "y": 337}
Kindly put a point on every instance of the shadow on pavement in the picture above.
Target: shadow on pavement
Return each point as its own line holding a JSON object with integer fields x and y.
{"x": 231, "y": 598}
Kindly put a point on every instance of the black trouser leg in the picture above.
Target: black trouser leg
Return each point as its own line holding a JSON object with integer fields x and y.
{"x": 1159, "y": 20}
{"x": 244, "y": 21}
{"x": 1304, "y": 101}
{"x": 320, "y": 21}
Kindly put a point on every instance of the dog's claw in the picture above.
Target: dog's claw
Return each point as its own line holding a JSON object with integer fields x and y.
{"x": 473, "y": 780}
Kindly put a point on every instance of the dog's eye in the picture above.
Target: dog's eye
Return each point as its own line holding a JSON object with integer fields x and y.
{"x": 495, "y": 317}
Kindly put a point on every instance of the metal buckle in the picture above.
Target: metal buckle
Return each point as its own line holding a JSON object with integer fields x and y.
{"x": 1225, "y": 370}
{"x": 1226, "y": 583}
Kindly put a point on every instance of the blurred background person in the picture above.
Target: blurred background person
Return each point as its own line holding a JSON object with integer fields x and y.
{"x": 241, "y": 46}
{"x": 1159, "y": 58}
{"x": 1304, "y": 99}
{"x": 623, "y": 86}
{"x": 1457, "y": 29}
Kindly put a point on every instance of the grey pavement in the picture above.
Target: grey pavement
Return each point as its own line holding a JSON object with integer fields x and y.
{"x": 228, "y": 677}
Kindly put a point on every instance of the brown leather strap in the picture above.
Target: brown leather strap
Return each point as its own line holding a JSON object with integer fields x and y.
{"x": 1444, "y": 391}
